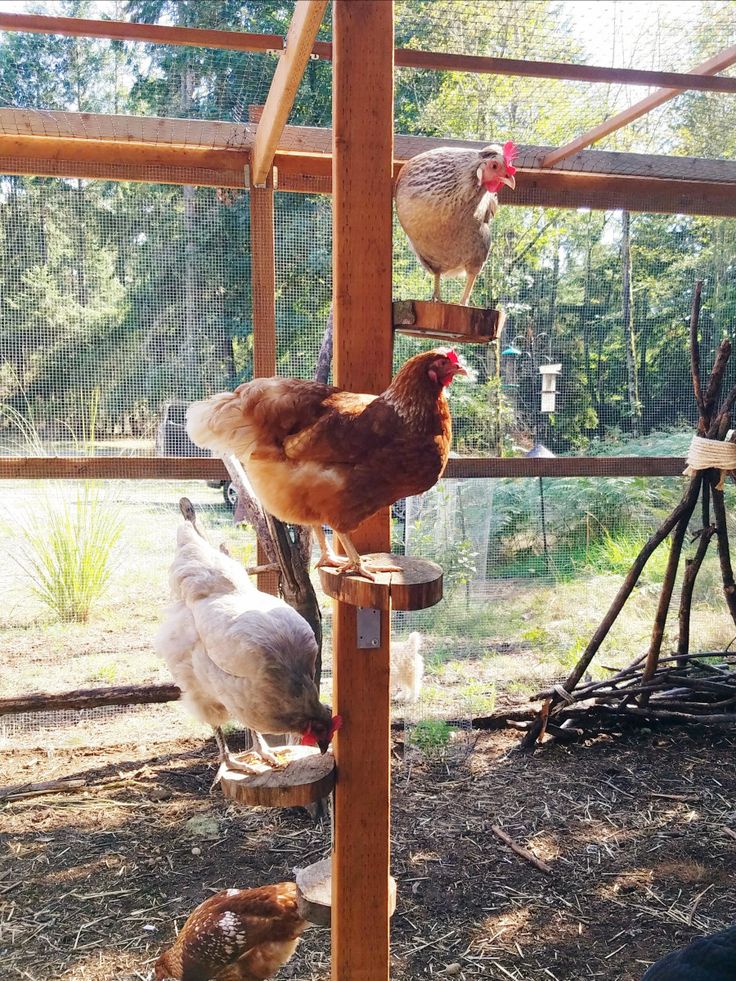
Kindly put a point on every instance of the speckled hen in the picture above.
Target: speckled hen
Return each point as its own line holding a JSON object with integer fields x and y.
{"x": 446, "y": 199}
{"x": 236, "y": 935}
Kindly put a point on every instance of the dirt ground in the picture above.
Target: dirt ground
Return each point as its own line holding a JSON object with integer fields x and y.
{"x": 639, "y": 830}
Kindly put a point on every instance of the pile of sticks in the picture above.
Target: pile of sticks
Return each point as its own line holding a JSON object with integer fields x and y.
{"x": 681, "y": 686}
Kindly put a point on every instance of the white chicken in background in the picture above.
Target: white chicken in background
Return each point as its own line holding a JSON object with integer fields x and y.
{"x": 238, "y": 653}
{"x": 446, "y": 199}
{"x": 407, "y": 668}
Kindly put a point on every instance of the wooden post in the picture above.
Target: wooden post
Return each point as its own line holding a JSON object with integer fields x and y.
{"x": 362, "y": 226}
{"x": 263, "y": 289}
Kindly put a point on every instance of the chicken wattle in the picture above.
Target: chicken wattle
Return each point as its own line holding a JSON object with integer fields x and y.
{"x": 445, "y": 200}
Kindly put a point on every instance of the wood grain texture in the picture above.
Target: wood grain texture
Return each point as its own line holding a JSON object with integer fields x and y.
{"x": 132, "y": 31}
{"x": 362, "y": 161}
{"x": 314, "y": 893}
{"x": 88, "y": 698}
{"x": 305, "y": 22}
{"x": 450, "y": 321}
{"x": 307, "y": 776}
{"x": 206, "y": 468}
{"x": 417, "y": 586}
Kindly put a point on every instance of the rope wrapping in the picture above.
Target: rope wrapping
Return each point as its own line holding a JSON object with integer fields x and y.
{"x": 711, "y": 454}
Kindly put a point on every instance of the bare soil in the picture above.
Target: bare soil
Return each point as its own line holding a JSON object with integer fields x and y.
{"x": 639, "y": 829}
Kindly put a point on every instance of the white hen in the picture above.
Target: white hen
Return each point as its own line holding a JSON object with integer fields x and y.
{"x": 238, "y": 653}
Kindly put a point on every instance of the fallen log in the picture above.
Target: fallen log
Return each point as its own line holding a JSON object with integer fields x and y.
{"x": 88, "y": 698}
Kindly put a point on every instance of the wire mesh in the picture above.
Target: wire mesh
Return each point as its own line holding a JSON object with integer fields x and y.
{"x": 121, "y": 302}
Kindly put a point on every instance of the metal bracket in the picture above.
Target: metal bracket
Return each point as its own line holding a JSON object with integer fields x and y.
{"x": 369, "y": 627}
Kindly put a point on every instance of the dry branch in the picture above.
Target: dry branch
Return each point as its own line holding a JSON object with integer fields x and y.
{"x": 521, "y": 851}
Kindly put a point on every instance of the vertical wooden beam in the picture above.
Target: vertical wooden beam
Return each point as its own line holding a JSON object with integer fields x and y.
{"x": 363, "y": 51}
{"x": 263, "y": 305}
{"x": 290, "y": 69}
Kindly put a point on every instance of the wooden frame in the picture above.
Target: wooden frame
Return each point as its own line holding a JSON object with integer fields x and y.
{"x": 711, "y": 66}
{"x": 305, "y": 23}
{"x": 216, "y": 154}
{"x": 207, "y": 468}
{"x": 362, "y": 162}
{"x": 404, "y": 57}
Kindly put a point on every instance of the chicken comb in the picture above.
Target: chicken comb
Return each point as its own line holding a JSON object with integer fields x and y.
{"x": 335, "y": 724}
{"x": 452, "y": 356}
{"x": 510, "y": 153}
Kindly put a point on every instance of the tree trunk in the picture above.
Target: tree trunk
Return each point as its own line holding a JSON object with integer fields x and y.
{"x": 628, "y": 322}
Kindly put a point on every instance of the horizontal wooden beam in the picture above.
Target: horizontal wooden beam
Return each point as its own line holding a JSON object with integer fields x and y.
{"x": 480, "y": 65}
{"x": 117, "y": 129}
{"x": 116, "y": 30}
{"x": 305, "y": 23}
{"x": 219, "y": 152}
{"x": 713, "y": 65}
{"x": 447, "y": 321}
{"x": 404, "y": 57}
{"x": 208, "y": 468}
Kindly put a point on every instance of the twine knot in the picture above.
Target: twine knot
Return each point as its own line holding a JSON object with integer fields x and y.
{"x": 707, "y": 454}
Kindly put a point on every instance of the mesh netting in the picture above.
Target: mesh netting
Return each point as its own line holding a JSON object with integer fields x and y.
{"x": 121, "y": 302}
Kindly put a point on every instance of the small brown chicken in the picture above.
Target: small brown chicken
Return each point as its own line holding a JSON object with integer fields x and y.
{"x": 236, "y": 935}
{"x": 318, "y": 455}
{"x": 445, "y": 200}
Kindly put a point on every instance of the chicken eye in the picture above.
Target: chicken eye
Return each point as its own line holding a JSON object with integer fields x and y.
{"x": 495, "y": 166}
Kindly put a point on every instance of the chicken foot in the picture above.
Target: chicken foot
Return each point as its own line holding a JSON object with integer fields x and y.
{"x": 354, "y": 563}
{"x": 229, "y": 762}
{"x": 351, "y": 563}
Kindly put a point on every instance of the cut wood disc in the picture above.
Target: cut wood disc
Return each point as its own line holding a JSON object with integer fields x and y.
{"x": 305, "y": 777}
{"x": 314, "y": 893}
{"x": 417, "y": 584}
{"x": 447, "y": 321}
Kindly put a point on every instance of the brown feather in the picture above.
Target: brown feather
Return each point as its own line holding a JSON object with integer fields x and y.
{"x": 236, "y": 935}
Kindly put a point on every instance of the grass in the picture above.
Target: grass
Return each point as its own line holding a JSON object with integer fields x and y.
{"x": 502, "y": 638}
{"x": 67, "y": 549}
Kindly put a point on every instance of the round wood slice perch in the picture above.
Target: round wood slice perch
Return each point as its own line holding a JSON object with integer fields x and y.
{"x": 417, "y": 586}
{"x": 306, "y": 776}
{"x": 314, "y": 893}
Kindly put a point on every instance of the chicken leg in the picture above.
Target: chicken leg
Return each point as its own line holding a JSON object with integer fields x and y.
{"x": 436, "y": 298}
{"x": 469, "y": 283}
{"x": 351, "y": 562}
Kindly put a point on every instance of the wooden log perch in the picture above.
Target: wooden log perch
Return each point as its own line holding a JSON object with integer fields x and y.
{"x": 89, "y": 698}
{"x": 521, "y": 851}
{"x": 314, "y": 893}
{"x": 305, "y": 777}
{"x": 447, "y": 321}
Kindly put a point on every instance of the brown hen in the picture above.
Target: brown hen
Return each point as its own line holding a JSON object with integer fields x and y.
{"x": 318, "y": 455}
{"x": 236, "y": 935}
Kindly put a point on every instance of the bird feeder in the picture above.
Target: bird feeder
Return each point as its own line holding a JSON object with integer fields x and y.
{"x": 549, "y": 373}
{"x": 314, "y": 893}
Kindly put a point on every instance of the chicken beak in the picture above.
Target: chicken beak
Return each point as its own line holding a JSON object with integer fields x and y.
{"x": 509, "y": 180}
{"x": 459, "y": 370}
{"x": 324, "y": 745}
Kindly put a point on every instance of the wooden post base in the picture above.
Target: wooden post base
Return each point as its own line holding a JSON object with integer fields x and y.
{"x": 447, "y": 321}
{"x": 314, "y": 893}
{"x": 305, "y": 777}
{"x": 417, "y": 584}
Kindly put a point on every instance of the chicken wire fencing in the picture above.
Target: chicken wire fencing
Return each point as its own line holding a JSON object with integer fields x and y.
{"x": 120, "y": 303}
